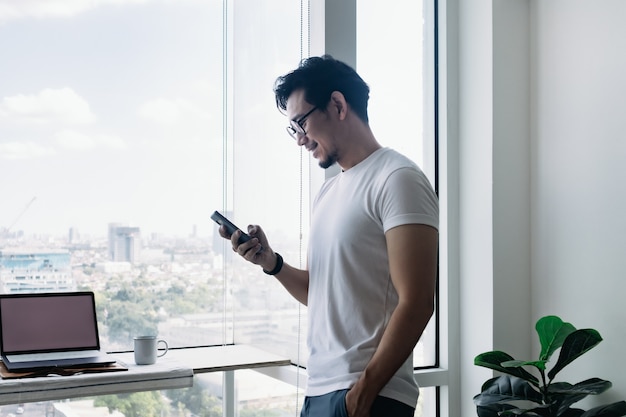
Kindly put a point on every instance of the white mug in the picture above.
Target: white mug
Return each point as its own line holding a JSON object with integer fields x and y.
{"x": 146, "y": 349}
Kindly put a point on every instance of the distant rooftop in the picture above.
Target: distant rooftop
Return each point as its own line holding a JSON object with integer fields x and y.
{"x": 29, "y": 251}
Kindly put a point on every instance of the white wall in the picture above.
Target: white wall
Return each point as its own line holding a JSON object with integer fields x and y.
{"x": 475, "y": 192}
{"x": 494, "y": 185}
{"x": 579, "y": 176}
{"x": 542, "y": 179}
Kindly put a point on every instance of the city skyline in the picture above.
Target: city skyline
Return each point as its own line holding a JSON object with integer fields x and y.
{"x": 74, "y": 234}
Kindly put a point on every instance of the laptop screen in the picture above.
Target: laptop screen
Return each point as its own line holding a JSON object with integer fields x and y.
{"x": 32, "y": 323}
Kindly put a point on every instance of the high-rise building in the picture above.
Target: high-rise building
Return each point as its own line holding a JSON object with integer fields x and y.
{"x": 26, "y": 270}
{"x": 73, "y": 235}
{"x": 124, "y": 243}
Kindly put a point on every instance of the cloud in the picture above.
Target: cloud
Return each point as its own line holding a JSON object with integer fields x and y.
{"x": 24, "y": 150}
{"x": 66, "y": 140}
{"x": 69, "y": 139}
{"x": 12, "y": 9}
{"x": 77, "y": 141}
{"x": 111, "y": 142}
{"x": 48, "y": 106}
{"x": 170, "y": 111}
{"x": 18, "y": 9}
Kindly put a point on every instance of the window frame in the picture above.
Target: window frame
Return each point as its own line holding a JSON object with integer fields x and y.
{"x": 339, "y": 39}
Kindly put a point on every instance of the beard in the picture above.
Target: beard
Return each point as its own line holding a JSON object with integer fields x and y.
{"x": 329, "y": 161}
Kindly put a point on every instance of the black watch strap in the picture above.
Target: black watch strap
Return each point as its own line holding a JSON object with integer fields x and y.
{"x": 278, "y": 267}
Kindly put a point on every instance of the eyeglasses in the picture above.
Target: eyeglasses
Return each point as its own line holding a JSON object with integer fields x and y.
{"x": 295, "y": 127}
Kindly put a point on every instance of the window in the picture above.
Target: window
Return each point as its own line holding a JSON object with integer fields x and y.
{"x": 142, "y": 118}
{"x": 120, "y": 108}
{"x": 270, "y": 182}
{"x": 396, "y": 62}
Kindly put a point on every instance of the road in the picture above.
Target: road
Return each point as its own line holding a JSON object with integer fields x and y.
{"x": 27, "y": 410}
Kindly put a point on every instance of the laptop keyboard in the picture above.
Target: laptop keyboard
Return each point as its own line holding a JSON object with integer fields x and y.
{"x": 52, "y": 356}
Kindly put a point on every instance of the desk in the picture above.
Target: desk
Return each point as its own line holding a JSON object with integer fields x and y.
{"x": 224, "y": 358}
{"x": 174, "y": 370}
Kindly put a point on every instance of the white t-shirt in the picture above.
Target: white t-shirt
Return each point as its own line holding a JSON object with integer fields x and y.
{"x": 351, "y": 296}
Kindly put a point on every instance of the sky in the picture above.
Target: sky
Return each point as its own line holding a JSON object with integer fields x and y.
{"x": 106, "y": 120}
{"x": 113, "y": 111}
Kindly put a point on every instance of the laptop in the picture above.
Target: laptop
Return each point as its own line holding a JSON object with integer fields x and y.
{"x": 47, "y": 330}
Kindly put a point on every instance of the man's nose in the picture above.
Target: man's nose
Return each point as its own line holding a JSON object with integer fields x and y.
{"x": 301, "y": 139}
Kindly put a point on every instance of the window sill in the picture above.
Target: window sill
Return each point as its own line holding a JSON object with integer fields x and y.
{"x": 175, "y": 370}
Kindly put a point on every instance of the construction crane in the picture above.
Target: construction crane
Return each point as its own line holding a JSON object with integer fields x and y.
{"x": 19, "y": 216}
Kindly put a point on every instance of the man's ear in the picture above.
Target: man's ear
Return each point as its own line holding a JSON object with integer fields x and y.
{"x": 339, "y": 104}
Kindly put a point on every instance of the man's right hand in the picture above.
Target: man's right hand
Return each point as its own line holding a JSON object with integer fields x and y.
{"x": 257, "y": 250}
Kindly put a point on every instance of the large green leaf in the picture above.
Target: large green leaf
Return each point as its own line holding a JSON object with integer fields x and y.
{"x": 493, "y": 360}
{"x": 572, "y": 412}
{"x": 507, "y": 388}
{"x": 540, "y": 411}
{"x": 617, "y": 409}
{"x": 591, "y": 386}
{"x": 516, "y": 364}
{"x": 576, "y": 344}
{"x": 552, "y": 332}
{"x": 524, "y": 413}
{"x": 492, "y": 410}
{"x": 564, "y": 394}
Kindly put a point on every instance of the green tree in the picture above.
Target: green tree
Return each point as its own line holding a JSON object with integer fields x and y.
{"x": 139, "y": 404}
{"x": 197, "y": 400}
{"x": 127, "y": 319}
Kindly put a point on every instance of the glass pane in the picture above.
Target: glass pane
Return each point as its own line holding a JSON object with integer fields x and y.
{"x": 263, "y": 396}
{"x": 256, "y": 395}
{"x": 271, "y": 175}
{"x": 427, "y": 403}
{"x": 140, "y": 135}
{"x": 111, "y": 119}
{"x": 396, "y": 60}
{"x": 401, "y": 100}
{"x": 260, "y": 395}
{"x": 204, "y": 399}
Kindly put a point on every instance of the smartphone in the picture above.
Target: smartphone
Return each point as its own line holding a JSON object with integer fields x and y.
{"x": 230, "y": 227}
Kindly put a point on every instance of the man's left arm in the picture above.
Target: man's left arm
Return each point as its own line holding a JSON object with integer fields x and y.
{"x": 412, "y": 252}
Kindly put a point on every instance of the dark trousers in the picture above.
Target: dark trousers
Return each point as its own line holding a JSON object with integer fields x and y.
{"x": 334, "y": 405}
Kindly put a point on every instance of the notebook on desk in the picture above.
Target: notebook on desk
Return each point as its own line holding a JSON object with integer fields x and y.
{"x": 43, "y": 330}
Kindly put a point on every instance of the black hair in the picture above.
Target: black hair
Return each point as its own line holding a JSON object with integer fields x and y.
{"x": 319, "y": 77}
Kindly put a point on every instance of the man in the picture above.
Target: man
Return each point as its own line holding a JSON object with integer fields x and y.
{"x": 370, "y": 278}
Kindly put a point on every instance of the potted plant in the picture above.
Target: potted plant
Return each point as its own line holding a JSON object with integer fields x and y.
{"x": 521, "y": 393}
